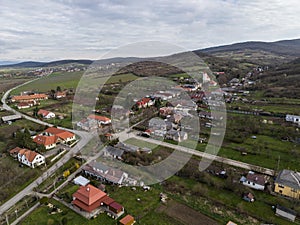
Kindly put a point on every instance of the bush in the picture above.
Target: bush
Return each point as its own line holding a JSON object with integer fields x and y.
{"x": 44, "y": 200}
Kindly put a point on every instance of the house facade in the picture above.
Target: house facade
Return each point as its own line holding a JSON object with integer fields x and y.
{"x": 287, "y": 183}
{"x": 255, "y": 181}
{"x": 28, "y": 157}
{"x": 101, "y": 120}
{"x": 105, "y": 173}
{"x": 292, "y": 118}
{"x": 46, "y": 114}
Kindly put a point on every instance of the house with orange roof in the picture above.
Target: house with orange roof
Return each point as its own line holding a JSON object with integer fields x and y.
{"x": 26, "y": 105}
{"x": 88, "y": 198}
{"x": 28, "y": 157}
{"x": 46, "y": 114}
{"x": 26, "y": 98}
{"x": 48, "y": 141}
{"x": 60, "y": 94}
{"x": 101, "y": 120}
{"x": 63, "y": 135}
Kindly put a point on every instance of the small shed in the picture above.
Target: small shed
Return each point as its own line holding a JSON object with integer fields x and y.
{"x": 286, "y": 213}
{"x": 127, "y": 220}
{"x": 11, "y": 118}
{"x": 249, "y": 197}
{"x": 82, "y": 181}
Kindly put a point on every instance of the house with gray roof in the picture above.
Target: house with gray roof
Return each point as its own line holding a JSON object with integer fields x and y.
{"x": 287, "y": 183}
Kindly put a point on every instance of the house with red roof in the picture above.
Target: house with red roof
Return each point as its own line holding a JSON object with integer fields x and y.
{"x": 60, "y": 94}
{"x": 62, "y": 135}
{"x": 53, "y": 136}
{"x": 46, "y": 114}
{"x": 145, "y": 102}
{"x": 26, "y": 105}
{"x": 26, "y": 98}
{"x": 28, "y": 157}
{"x": 88, "y": 198}
{"x": 47, "y": 141}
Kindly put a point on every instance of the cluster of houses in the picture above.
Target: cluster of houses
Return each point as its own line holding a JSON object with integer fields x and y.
{"x": 93, "y": 201}
{"x": 53, "y": 136}
{"x": 287, "y": 183}
{"x": 28, "y": 100}
{"x": 49, "y": 139}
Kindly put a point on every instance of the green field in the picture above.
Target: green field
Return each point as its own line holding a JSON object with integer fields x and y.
{"x": 66, "y": 80}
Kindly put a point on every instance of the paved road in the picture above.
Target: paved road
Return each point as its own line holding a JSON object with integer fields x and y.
{"x": 84, "y": 139}
{"x": 123, "y": 136}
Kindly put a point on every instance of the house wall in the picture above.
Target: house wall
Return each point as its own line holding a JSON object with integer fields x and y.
{"x": 253, "y": 185}
{"x": 287, "y": 191}
{"x": 50, "y": 146}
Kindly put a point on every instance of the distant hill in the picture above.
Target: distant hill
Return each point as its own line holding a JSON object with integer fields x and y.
{"x": 33, "y": 64}
{"x": 7, "y": 62}
{"x": 285, "y": 47}
{"x": 281, "y": 81}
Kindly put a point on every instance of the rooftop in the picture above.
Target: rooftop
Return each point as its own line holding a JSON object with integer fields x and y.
{"x": 289, "y": 178}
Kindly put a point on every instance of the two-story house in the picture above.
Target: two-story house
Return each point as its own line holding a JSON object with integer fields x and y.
{"x": 287, "y": 183}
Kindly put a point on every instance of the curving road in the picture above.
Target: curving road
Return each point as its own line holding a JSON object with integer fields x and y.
{"x": 85, "y": 137}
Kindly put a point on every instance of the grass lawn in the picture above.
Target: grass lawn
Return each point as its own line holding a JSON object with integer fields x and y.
{"x": 41, "y": 216}
{"x": 62, "y": 79}
{"x": 268, "y": 155}
{"x": 222, "y": 204}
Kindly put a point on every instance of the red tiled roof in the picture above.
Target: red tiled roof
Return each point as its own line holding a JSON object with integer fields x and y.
{"x": 116, "y": 206}
{"x": 100, "y": 118}
{"x": 89, "y": 194}
{"x": 43, "y": 112}
{"x": 107, "y": 200}
{"x": 15, "y": 150}
{"x": 45, "y": 140}
{"x": 88, "y": 208}
{"x": 127, "y": 220}
{"x": 29, "y": 97}
{"x": 63, "y": 134}
{"x": 30, "y": 155}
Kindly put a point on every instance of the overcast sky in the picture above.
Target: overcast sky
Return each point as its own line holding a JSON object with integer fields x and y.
{"x": 59, "y": 29}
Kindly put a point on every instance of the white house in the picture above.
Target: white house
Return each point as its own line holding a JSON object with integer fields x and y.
{"x": 255, "y": 181}
{"x": 101, "y": 120}
{"x": 292, "y": 118}
{"x": 46, "y": 114}
{"x": 28, "y": 157}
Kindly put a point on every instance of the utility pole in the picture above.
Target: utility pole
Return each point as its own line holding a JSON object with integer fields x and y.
{"x": 278, "y": 162}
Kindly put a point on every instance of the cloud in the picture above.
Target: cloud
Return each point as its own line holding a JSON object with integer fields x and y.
{"x": 33, "y": 30}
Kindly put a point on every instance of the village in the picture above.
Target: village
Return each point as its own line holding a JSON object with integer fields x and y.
{"x": 158, "y": 116}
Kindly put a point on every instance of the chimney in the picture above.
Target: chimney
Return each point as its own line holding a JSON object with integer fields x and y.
{"x": 88, "y": 189}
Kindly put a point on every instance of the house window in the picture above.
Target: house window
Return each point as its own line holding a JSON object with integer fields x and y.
{"x": 280, "y": 191}
{"x": 248, "y": 182}
{"x": 280, "y": 186}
